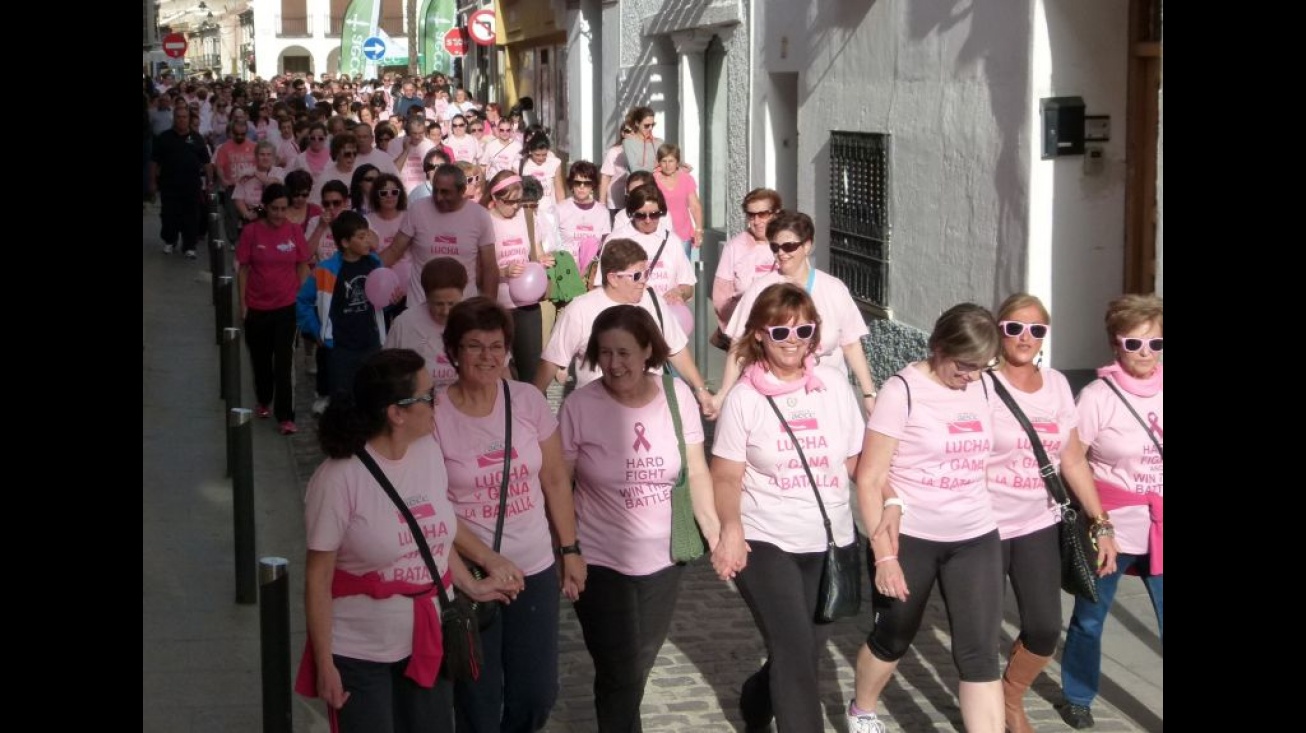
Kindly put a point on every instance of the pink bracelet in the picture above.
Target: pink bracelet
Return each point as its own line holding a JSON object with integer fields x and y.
{"x": 886, "y": 559}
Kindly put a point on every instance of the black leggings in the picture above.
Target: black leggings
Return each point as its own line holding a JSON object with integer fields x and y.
{"x": 780, "y": 589}
{"x": 1033, "y": 562}
{"x": 527, "y": 340}
{"x": 969, "y": 573}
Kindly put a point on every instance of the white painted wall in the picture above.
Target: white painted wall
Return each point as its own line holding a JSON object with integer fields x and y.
{"x": 268, "y": 47}
{"x": 1076, "y": 261}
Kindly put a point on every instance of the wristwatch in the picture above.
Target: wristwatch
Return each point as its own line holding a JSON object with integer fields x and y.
{"x": 572, "y": 549}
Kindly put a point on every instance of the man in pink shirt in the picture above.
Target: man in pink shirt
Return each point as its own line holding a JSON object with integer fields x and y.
{"x": 448, "y": 226}
{"x": 411, "y": 152}
{"x": 234, "y": 159}
{"x": 368, "y": 153}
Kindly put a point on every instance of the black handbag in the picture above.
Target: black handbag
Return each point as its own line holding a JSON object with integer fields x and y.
{"x": 1078, "y": 551}
{"x": 487, "y": 613}
{"x": 461, "y": 636}
{"x": 840, "y": 592}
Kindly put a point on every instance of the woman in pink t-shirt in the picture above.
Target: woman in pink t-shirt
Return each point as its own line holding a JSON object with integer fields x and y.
{"x": 513, "y": 486}
{"x": 1120, "y": 419}
{"x": 287, "y": 150}
{"x": 301, "y": 211}
{"x": 514, "y": 249}
{"x": 539, "y": 161}
{"x": 373, "y": 651}
{"x": 583, "y": 223}
{"x": 619, "y": 435}
{"x": 248, "y": 193}
{"x": 681, "y": 192}
{"x": 744, "y": 257}
{"x": 422, "y": 329}
{"x": 1027, "y": 518}
{"x": 272, "y": 259}
{"x": 923, "y": 466}
{"x": 316, "y": 156}
{"x": 773, "y": 538}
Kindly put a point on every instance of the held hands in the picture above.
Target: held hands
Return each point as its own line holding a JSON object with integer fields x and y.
{"x": 505, "y": 578}
{"x": 730, "y": 555}
{"x": 573, "y": 571}
{"x": 707, "y": 404}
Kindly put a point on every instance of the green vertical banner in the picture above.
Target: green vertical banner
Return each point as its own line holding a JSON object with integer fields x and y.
{"x": 361, "y": 19}
{"x": 438, "y": 16}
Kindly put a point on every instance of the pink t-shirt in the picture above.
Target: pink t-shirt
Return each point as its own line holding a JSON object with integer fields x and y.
{"x": 385, "y": 229}
{"x": 250, "y": 188}
{"x": 742, "y": 261}
{"x": 841, "y": 321}
{"x": 273, "y": 257}
{"x": 347, "y": 512}
{"x": 234, "y": 161}
{"x": 459, "y": 235}
{"x": 465, "y": 147}
{"x": 614, "y": 165}
{"x": 678, "y": 202}
{"x": 778, "y": 505}
{"x": 577, "y": 225}
{"x": 1021, "y": 503}
{"x": 411, "y": 172}
{"x": 673, "y": 267}
{"x": 571, "y": 332}
{"x": 473, "y": 456}
{"x": 377, "y": 157}
{"x": 1121, "y": 453}
{"x": 626, "y": 460}
{"x": 497, "y": 155}
{"x": 546, "y": 174}
{"x": 943, "y": 447}
{"x": 415, "y": 329}
{"x": 511, "y": 246}
{"x": 330, "y": 173}
{"x": 312, "y": 162}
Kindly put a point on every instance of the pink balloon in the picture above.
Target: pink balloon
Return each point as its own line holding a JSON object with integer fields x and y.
{"x": 404, "y": 271}
{"x": 528, "y": 287}
{"x": 380, "y": 287}
{"x": 683, "y": 315}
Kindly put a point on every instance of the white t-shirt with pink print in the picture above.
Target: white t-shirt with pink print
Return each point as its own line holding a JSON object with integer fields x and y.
{"x": 1021, "y": 502}
{"x": 546, "y": 174}
{"x": 473, "y": 456}
{"x": 673, "y": 268}
{"x": 577, "y": 225}
{"x": 415, "y": 329}
{"x": 464, "y": 148}
{"x": 841, "y": 321}
{"x": 571, "y": 331}
{"x": 347, "y": 512}
{"x": 626, "y": 460}
{"x": 778, "y": 505}
{"x": 385, "y": 229}
{"x": 742, "y": 261}
{"x": 1121, "y": 453}
{"x": 944, "y": 444}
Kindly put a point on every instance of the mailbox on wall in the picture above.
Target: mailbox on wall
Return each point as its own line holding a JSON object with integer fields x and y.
{"x": 1063, "y": 126}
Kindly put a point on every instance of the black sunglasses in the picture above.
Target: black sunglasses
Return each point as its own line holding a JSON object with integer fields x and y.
{"x": 647, "y": 215}
{"x": 786, "y": 246}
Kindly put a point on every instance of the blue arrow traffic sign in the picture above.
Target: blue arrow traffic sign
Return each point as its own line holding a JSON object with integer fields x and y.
{"x": 374, "y": 48}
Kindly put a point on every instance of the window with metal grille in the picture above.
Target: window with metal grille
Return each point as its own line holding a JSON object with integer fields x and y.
{"x": 859, "y": 217}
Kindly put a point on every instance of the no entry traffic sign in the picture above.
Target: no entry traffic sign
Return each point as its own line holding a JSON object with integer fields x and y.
{"x": 174, "y": 45}
{"x": 455, "y": 43}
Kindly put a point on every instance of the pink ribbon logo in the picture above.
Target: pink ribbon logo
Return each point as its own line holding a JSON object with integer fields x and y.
{"x": 640, "y": 440}
{"x": 1154, "y": 421}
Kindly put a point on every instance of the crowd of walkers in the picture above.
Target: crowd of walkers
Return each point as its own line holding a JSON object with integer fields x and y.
{"x": 444, "y": 267}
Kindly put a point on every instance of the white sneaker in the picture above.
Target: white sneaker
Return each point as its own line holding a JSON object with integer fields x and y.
{"x": 320, "y": 405}
{"x": 167, "y": 249}
{"x": 864, "y": 723}
{"x": 190, "y": 254}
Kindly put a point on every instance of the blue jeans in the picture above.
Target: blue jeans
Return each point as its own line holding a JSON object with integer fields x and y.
{"x": 1081, "y": 660}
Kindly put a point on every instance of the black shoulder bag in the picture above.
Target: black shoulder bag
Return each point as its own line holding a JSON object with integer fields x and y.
{"x": 649, "y": 274}
{"x": 462, "y": 638}
{"x": 1078, "y": 556}
{"x": 488, "y": 613}
{"x": 840, "y": 593}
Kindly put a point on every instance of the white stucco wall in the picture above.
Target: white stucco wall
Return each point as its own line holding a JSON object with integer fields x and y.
{"x": 950, "y": 83}
{"x": 268, "y": 47}
{"x": 1076, "y": 250}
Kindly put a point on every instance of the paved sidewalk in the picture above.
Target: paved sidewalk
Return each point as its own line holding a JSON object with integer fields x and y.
{"x": 200, "y": 649}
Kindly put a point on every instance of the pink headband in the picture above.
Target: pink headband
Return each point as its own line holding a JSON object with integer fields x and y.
{"x": 510, "y": 180}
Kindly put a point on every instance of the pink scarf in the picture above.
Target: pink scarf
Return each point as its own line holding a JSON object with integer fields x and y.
{"x": 317, "y": 162}
{"x": 1145, "y": 387}
{"x": 757, "y": 375}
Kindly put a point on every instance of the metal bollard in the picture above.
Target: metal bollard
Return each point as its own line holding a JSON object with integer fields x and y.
{"x": 222, "y": 314}
{"x": 231, "y": 366}
{"x": 240, "y": 434}
{"x": 215, "y": 223}
{"x": 702, "y": 299}
{"x": 274, "y": 642}
{"x": 217, "y": 264}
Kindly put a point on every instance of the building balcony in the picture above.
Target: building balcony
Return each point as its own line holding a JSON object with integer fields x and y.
{"x": 293, "y": 27}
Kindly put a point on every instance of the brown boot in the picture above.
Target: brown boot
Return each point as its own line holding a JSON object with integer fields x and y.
{"x": 1021, "y": 671}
